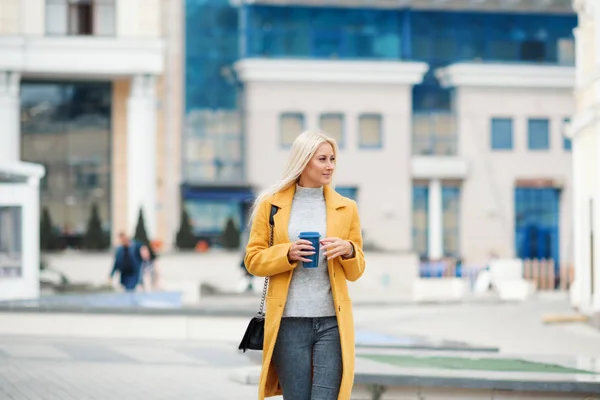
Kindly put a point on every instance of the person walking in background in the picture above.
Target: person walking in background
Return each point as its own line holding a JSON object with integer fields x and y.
{"x": 128, "y": 262}
{"x": 149, "y": 274}
{"x": 309, "y": 332}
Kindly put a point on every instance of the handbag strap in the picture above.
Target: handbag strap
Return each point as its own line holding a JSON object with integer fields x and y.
{"x": 274, "y": 210}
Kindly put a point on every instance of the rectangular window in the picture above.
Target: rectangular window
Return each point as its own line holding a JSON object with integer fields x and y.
{"x": 333, "y": 125}
{"x": 434, "y": 132}
{"x": 420, "y": 220}
{"x": 502, "y": 134}
{"x": 451, "y": 220}
{"x": 369, "y": 131}
{"x": 538, "y": 134}
{"x": 567, "y": 145}
{"x": 290, "y": 126}
{"x": 566, "y": 51}
{"x": 80, "y": 17}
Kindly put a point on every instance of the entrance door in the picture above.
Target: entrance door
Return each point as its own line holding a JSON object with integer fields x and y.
{"x": 537, "y": 224}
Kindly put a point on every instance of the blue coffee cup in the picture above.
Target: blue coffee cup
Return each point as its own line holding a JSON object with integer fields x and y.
{"x": 313, "y": 238}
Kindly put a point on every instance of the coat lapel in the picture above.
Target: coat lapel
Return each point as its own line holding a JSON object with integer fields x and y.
{"x": 283, "y": 200}
{"x": 333, "y": 202}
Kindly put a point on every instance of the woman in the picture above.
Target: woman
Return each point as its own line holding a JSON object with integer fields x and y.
{"x": 309, "y": 330}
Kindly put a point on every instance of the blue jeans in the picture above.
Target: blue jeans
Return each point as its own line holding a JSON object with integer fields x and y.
{"x": 308, "y": 358}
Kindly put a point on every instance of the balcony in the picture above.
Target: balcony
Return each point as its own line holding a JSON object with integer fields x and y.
{"x": 434, "y": 133}
{"x": 87, "y": 56}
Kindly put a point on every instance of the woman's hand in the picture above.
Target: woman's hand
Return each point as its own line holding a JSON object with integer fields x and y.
{"x": 299, "y": 250}
{"x": 336, "y": 247}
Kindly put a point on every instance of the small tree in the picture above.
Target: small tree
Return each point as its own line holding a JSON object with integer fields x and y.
{"x": 231, "y": 236}
{"x": 48, "y": 236}
{"x": 95, "y": 238}
{"x": 185, "y": 239}
{"x": 140, "y": 229}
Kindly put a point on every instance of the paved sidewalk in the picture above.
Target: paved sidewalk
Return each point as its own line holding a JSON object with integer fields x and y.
{"x": 80, "y": 369}
{"x": 81, "y": 362}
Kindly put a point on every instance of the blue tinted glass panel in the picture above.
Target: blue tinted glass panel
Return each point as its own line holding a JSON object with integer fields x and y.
{"x": 323, "y": 32}
{"x": 348, "y": 191}
{"x": 538, "y": 134}
{"x": 537, "y": 223}
{"x": 211, "y": 48}
{"x": 502, "y": 134}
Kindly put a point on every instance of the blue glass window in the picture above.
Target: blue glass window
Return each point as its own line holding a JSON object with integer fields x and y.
{"x": 350, "y": 192}
{"x": 537, "y": 223}
{"x": 502, "y": 134}
{"x": 324, "y": 32}
{"x": 538, "y": 134}
{"x": 211, "y": 48}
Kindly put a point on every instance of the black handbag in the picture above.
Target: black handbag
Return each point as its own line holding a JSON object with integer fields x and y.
{"x": 255, "y": 332}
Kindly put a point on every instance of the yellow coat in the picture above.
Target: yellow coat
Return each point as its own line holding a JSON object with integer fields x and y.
{"x": 342, "y": 222}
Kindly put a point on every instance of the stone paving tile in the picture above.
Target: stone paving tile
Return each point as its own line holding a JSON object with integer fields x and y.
{"x": 105, "y": 370}
{"x": 92, "y": 352}
{"x": 148, "y": 354}
{"x": 32, "y": 351}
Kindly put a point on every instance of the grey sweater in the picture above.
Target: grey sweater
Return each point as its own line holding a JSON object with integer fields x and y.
{"x": 310, "y": 290}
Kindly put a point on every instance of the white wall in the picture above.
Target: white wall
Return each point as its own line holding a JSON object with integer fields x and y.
{"x": 139, "y": 18}
{"x": 381, "y": 175}
{"x": 9, "y": 17}
{"x": 33, "y": 17}
{"x": 487, "y": 196}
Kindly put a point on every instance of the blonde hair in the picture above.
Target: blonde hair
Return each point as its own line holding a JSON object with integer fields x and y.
{"x": 303, "y": 149}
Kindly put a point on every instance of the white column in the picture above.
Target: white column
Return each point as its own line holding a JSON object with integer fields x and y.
{"x": 596, "y": 222}
{"x": 10, "y": 132}
{"x": 579, "y": 35}
{"x": 436, "y": 228}
{"x": 578, "y": 225}
{"x": 31, "y": 243}
{"x": 595, "y": 14}
{"x": 141, "y": 153}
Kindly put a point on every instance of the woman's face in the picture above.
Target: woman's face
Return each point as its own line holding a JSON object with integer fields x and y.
{"x": 319, "y": 170}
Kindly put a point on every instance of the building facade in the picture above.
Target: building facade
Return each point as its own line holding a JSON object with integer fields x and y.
{"x": 87, "y": 89}
{"x": 453, "y": 112}
{"x": 585, "y": 133}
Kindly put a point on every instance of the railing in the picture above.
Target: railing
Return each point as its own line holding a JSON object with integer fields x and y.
{"x": 546, "y": 277}
{"x": 542, "y": 273}
{"x": 434, "y": 133}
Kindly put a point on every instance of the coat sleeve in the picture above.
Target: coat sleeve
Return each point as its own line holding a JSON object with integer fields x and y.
{"x": 354, "y": 267}
{"x": 260, "y": 259}
{"x": 117, "y": 264}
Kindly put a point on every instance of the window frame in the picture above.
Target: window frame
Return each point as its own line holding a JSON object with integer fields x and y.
{"x": 493, "y": 133}
{"x": 283, "y": 114}
{"x": 378, "y": 146}
{"x": 530, "y": 121}
{"x": 341, "y": 143}
{"x": 70, "y": 5}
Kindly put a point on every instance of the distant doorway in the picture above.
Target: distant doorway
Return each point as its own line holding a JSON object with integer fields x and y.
{"x": 537, "y": 224}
